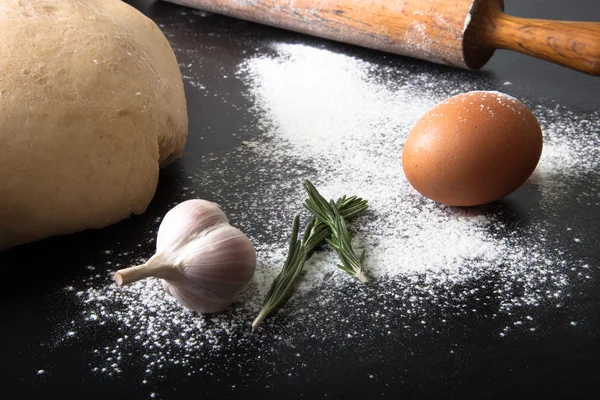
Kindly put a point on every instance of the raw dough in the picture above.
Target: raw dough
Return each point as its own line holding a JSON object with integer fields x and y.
{"x": 91, "y": 104}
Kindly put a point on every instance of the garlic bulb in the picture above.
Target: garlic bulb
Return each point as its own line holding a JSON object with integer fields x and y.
{"x": 202, "y": 260}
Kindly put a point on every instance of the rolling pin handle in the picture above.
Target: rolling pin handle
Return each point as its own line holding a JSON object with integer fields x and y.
{"x": 574, "y": 45}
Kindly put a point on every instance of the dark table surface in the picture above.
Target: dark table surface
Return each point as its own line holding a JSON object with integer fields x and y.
{"x": 559, "y": 362}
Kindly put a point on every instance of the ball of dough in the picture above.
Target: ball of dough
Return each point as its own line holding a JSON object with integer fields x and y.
{"x": 91, "y": 104}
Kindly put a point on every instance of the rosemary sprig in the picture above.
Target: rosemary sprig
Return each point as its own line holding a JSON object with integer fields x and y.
{"x": 282, "y": 285}
{"x": 316, "y": 233}
{"x": 329, "y": 214}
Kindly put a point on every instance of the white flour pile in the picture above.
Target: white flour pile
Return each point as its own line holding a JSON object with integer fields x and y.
{"x": 341, "y": 123}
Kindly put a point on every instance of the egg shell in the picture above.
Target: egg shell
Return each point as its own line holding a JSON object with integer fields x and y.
{"x": 472, "y": 149}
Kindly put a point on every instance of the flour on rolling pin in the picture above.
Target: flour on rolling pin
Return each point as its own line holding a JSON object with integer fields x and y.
{"x": 423, "y": 29}
{"x": 460, "y": 33}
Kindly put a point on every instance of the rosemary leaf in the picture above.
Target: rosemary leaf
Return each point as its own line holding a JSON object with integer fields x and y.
{"x": 348, "y": 208}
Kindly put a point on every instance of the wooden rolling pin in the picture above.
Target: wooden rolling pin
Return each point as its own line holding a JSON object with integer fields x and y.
{"x": 461, "y": 33}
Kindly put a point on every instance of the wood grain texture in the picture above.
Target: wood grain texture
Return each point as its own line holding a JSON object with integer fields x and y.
{"x": 575, "y": 45}
{"x": 426, "y": 29}
{"x": 461, "y": 33}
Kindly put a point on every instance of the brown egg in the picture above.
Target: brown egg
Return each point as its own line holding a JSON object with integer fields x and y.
{"x": 472, "y": 149}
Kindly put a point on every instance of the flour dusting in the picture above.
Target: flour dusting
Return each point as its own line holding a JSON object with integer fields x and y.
{"x": 341, "y": 122}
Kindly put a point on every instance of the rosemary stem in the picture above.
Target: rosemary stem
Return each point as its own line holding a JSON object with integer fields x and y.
{"x": 360, "y": 275}
{"x": 261, "y": 316}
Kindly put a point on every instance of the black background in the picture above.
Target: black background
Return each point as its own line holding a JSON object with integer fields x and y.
{"x": 557, "y": 363}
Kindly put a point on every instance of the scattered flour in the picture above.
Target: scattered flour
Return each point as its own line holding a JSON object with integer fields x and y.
{"x": 341, "y": 122}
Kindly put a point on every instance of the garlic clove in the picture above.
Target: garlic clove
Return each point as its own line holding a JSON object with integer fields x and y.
{"x": 187, "y": 220}
{"x": 228, "y": 256}
{"x": 198, "y": 299}
{"x": 213, "y": 269}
